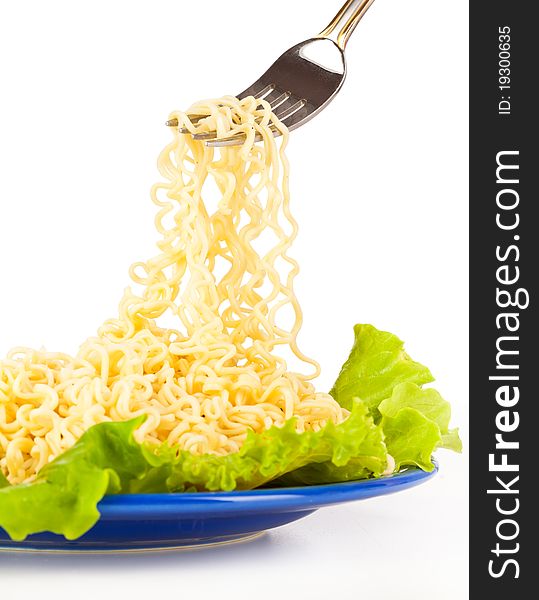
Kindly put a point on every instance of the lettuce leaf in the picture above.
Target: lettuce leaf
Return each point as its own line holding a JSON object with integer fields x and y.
{"x": 63, "y": 499}
{"x": 451, "y": 440}
{"x": 327, "y": 472}
{"x": 416, "y": 422}
{"x": 107, "y": 460}
{"x": 268, "y": 455}
{"x": 377, "y": 363}
{"x": 428, "y": 402}
{"x": 411, "y": 439}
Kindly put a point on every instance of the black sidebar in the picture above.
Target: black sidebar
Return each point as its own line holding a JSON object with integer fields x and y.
{"x": 504, "y": 268}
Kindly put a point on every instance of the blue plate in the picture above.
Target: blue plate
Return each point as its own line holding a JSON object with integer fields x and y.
{"x": 143, "y": 522}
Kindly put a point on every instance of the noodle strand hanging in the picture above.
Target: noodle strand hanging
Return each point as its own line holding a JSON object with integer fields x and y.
{"x": 219, "y": 372}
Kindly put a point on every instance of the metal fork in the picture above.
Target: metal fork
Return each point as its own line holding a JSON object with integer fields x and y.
{"x": 304, "y": 80}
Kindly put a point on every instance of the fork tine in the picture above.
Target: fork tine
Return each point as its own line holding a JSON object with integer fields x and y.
{"x": 213, "y": 141}
{"x": 280, "y": 100}
{"x": 258, "y": 90}
{"x": 291, "y": 110}
{"x": 265, "y": 91}
{"x": 193, "y": 118}
{"x": 288, "y": 104}
{"x": 236, "y": 140}
{"x": 209, "y": 135}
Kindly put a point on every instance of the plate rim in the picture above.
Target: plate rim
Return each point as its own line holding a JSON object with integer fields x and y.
{"x": 297, "y": 498}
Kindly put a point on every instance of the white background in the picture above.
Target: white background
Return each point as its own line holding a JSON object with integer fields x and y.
{"x": 379, "y": 183}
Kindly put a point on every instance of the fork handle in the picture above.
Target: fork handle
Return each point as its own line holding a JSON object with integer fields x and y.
{"x": 342, "y": 26}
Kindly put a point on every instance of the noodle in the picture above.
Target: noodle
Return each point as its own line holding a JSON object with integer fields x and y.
{"x": 203, "y": 385}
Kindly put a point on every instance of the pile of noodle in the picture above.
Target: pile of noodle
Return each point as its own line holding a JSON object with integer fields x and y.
{"x": 219, "y": 372}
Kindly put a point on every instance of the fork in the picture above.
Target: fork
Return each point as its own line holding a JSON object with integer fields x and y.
{"x": 302, "y": 81}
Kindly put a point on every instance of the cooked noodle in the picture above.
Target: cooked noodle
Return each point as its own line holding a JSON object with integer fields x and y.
{"x": 219, "y": 374}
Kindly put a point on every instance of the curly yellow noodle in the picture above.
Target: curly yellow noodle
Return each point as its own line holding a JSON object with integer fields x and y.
{"x": 203, "y": 385}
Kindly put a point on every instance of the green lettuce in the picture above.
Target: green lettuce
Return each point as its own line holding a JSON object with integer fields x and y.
{"x": 411, "y": 438}
{"x": 377, "y": 363}
{"x": 266, "y": 456}
{"x": 327, "y": 472}
{"x": 63, "y": 499}
{"x": 415, "y": 423}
